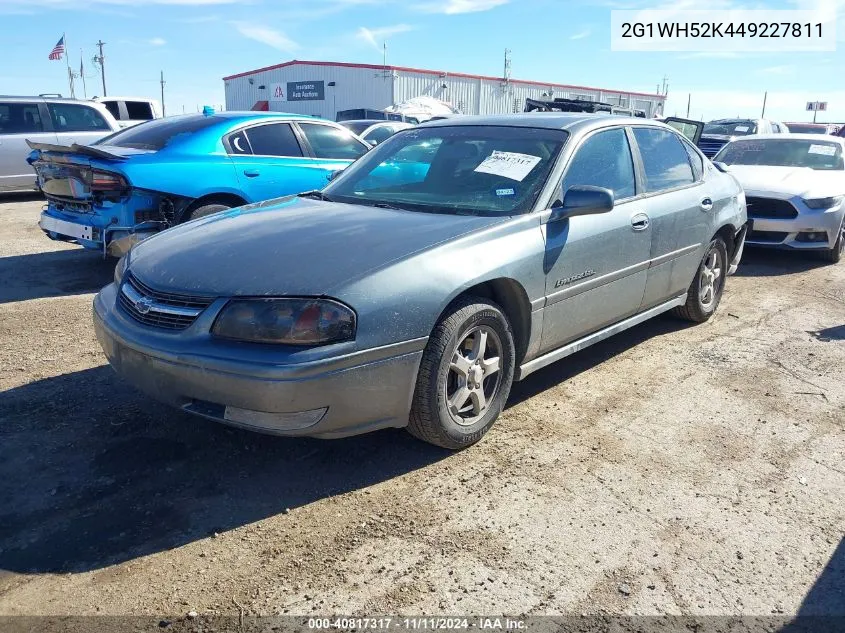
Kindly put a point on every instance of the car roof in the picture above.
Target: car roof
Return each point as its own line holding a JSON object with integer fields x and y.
{"x": 817, "y": 138}
{"x": 569, "y": 121}
{"x": 370, "y": 121}
{"x": 28, "y": 99}
{"x": 251, "y": 115}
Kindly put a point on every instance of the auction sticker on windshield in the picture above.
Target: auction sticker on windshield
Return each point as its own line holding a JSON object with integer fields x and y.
{"x": 826, "y": 150}
{"x": 511, "y": 165}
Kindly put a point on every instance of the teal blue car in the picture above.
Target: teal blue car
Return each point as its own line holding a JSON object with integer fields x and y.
{"x": 141, "y": 180}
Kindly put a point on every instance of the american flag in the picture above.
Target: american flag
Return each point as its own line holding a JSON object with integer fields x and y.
{"x": 58, "y": 49}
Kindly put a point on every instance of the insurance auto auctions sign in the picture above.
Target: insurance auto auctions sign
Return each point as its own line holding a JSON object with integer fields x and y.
{"x": 306, "y": 90}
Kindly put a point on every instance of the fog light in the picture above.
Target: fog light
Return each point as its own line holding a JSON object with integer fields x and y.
{"x": 812, "y": 236}
{"x": 274, "y": 421}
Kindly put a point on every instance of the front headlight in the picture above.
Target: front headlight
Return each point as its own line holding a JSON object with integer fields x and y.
{"x": 285, "y": 321}
{"x": 823, "y": 203}
{"x": 120, "y": 269}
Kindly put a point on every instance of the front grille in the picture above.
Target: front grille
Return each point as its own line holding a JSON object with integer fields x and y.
{"x": 710, "y": 147}
{"x": 771, "y": 237}
{"x": 770, "y": 208}
{"x": 160, "y": 309}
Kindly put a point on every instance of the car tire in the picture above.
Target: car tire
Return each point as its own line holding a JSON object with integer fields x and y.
{"x": 834, "y": 255}
{"x": 705, "y": 291}
{"x": 204, "y": 210}
{"x": 456, "y": 403}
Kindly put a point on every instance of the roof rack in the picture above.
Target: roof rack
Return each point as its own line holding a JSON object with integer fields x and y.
{"x": 566, "y": 105}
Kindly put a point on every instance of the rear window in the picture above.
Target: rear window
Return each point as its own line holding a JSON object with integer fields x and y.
{"x": 114, "y": 108}
{"x": 159, "y": 133}
{"x": 139, "y": 111}
{"x": 20, "y": 118}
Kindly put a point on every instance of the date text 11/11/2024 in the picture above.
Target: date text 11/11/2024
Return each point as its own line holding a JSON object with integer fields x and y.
{"x": 417, "y": 624}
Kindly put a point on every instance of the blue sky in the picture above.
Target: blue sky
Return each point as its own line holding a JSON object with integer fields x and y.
{"x": 197, "y": 42}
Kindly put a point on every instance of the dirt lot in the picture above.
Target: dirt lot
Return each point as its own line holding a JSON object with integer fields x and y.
{"x": 673, "y": 469}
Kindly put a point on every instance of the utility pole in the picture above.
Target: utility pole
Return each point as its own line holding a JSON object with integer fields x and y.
{"x": 765, "y": 96}
{"x": 163, "y": 109}
{"x": 689, "y": 100}
{"x": 102, "y": 61}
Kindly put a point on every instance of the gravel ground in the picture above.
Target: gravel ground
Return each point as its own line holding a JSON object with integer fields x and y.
{"x": 671, "y": 469}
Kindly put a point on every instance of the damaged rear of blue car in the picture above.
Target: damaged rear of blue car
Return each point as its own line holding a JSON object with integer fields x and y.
{"x": 109, "y": 195}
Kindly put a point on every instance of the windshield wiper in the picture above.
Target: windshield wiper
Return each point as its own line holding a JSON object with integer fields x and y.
{"x": 316, "y": 194}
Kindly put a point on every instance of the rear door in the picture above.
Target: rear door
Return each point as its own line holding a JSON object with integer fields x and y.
{"x": 77, "y": 123}
{"x": 270, "y": 162}
{"x": 20, "y": 121}
{"x": 596, "y": 265}
{"x": 680, "y": 208}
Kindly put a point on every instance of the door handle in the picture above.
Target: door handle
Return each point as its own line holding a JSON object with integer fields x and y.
{"x": 706, "y": 204}
{"x": 640, "y": 222}
{"x": 251, "y": 173}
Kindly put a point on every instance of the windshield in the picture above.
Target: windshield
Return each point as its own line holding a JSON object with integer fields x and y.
{"x": 477, "y": 170}
{"x": 357, "y": 126}
{"x": 730, "y": 127}
{"x": 783, "y": 153}
{"x": 806, "y": 128}
{"x": 158, "y": 133}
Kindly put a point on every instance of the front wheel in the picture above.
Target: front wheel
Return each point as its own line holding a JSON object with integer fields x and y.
{"x": 705, "y": 291}
{"x": 465, "y": 375}
{"x": 834, "y": 255}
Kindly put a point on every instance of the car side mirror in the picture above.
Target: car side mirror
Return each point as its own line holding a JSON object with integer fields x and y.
{"x": 722, "y": 167}
{"x": 582, "y": 200}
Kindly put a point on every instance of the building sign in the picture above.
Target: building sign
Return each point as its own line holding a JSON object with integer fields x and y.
{"x": 277, "y": 92}
{"x": 306, "y": 91}
{"x": 816, "y": 106}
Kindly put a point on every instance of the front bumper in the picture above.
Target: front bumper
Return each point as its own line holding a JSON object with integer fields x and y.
{"x": 776, "y": 233}
{"x": 335, "y": 396}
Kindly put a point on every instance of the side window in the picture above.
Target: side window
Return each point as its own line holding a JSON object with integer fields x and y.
{"x": 73, "y": 117}
{"x": 379, "y": 135}
{"x": 695, "y": 159}
{"x": 114, "y": 108}
{"x": 603, "y": 160}
{"x": 273, "y": 139}
{"x": 330, "y": 142}
{"x": 665, "y": 160}
{"x": 238, "y": 144}
{"x": 139, "y": 110}
{"x": 20, "y": 118}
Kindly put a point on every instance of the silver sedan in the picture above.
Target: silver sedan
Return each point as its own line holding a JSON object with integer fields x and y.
{"x": 451, "y": 260}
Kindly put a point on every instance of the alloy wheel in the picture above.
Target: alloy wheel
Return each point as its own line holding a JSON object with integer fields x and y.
{"x": 710, "y": 279}
{"x": 474, "y": 375}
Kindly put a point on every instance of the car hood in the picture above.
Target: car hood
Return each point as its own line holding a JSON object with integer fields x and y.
{"x": 289, "y": 247}
{"x": 787, "y": 182}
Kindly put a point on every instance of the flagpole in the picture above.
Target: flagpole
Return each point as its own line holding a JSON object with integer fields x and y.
{"x": 69, "y": 71}
{"x": 82, "y": 74}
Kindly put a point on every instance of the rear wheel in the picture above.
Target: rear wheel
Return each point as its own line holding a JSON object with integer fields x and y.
{"x": 705, "y": 291}
{"x": 465, "y": 375}
{"x": 204, "y": 210}
{"x": 834, "y": 255}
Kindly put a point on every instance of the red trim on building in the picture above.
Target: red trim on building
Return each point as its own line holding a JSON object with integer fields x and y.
{"x": 261, "y": 106}
{"x": 433, "y": 72}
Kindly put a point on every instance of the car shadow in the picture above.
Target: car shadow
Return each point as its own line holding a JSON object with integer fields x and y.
{"x": 588, "y": 358}
{"x": 764, "y": 262}
{"x": 53, "y": 274}
{"x": 823, "y": 608}
{"x": 827, "y": 335}
{"x": 92, "y": 473}
{"x": 25, "y": 196}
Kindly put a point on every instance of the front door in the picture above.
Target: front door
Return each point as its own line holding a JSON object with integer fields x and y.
{"x": 596, "y": 265}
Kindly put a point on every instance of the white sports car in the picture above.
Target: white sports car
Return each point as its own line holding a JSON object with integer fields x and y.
{"x": 795, "y": 190}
